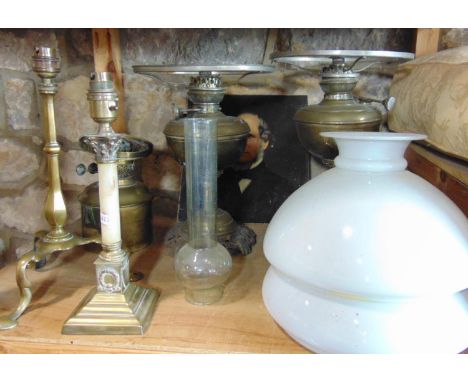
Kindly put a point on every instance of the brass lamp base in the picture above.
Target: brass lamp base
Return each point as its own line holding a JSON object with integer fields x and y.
{"x": 43, "y": 246}
{"x": 114, "y": 313}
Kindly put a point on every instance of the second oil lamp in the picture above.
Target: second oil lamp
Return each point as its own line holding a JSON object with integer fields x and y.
{"x": 339, "y": 110}
{"x": 205, "y": 92}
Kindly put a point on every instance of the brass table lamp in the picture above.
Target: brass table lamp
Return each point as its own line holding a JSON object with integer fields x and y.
{"x": 46, "y": 63}
{"x": 115, "y": 306}
{"x": 205, "y": 92}
{"x": 339, "y": 109}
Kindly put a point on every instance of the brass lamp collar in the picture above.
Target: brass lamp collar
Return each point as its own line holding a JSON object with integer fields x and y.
{"x": 206, "y": 92}
{"x": 207, "y": 107}
{"x": 206, "y": 80}
{"x": 105, "y": 147}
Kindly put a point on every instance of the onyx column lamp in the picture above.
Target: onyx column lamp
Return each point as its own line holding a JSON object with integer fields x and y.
{"x": 46, "y": 64}
{"x": 205, "y": 92}
{"x": 115, "y": 306}
{"x": 134, "y": 198}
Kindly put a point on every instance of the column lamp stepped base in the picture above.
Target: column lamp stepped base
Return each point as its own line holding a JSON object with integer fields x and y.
{"x": 114, "y": 313}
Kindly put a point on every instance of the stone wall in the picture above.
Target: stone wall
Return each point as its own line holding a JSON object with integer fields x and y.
{"x": 453, "y": 38}
{"x": 148, "y": 103}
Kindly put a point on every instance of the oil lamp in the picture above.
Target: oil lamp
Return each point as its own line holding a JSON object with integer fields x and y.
{"x": 205, "y": 92}
{"x": 115, "y": 306}
{"x": 46, "y": 64}
{"x": 339, "y": 109}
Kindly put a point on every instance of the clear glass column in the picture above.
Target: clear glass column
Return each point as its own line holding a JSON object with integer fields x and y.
{"x": 202, "y": 265}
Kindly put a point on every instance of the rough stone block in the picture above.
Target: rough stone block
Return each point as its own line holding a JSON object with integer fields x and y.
{"x": 68, "y": 162}
{"x": 3, "y": 253}
{"x": 19, "y": 163}
{"x": 72, "y": 109}
{"x": 15, "y": 244}
{"x": 297, "y": 40}
{"x": 17, "y": 47}
{"x": 25, "y": 211}
{"x": 453, "y": 38}
{"x": 3, "y": 113}
{"x": 373, "y": 86}
{"x": 73, "y": 207}
{"x": 192, "y": 46}
{"x": 21, "y": 104}
{"x": 279, "y": 83}
{"x": 149, "y": 107}
{"x": 21, "y": 247}
{"x": 76, "y": 45}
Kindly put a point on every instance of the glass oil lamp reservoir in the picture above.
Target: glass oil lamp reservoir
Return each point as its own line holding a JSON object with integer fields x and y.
{"x": 205, "y": 92}
{"x": 339, "y": 109}
{"x": 202, "y": 264}
{"x": 115, "y": 306}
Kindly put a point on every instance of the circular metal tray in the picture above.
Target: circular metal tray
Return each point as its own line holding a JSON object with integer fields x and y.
{"x": 320, "y": 58}
{"x": 178, "y": 76}
{"x": 192, "y": 70}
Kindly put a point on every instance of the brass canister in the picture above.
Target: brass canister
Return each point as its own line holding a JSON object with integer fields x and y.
{"x": 232, "y": 134}
{"x": 205, "y": 92}
{"x": 338, "y": 111}
{"x": 134, "y": 197}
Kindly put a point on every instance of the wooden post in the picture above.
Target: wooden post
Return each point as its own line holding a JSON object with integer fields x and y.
{"x": 427, "y": 41}
{"x": 106, "y": 47}
{"x": 272, "y": 36}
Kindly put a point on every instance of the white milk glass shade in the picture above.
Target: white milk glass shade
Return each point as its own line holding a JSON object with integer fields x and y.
{"x": 368, "y": 257}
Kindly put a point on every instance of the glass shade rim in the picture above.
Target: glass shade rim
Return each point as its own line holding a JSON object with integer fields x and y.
{"x": 373, "y": 136}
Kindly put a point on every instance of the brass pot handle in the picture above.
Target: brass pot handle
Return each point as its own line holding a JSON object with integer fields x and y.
{"x": 179, "y": 112}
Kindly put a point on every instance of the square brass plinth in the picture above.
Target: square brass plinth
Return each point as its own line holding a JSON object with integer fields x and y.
{"x": 114, "y": 313}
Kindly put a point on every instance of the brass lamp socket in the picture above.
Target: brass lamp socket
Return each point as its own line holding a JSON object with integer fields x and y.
{"x": 103, "y": 101}
{"x": 46, "y": 62}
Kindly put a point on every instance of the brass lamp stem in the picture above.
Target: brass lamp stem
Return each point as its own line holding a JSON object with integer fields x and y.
{"x": 55, "y": 210}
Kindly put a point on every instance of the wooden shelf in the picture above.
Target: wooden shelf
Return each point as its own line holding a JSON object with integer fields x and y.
{"x": 238, "y": 324}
